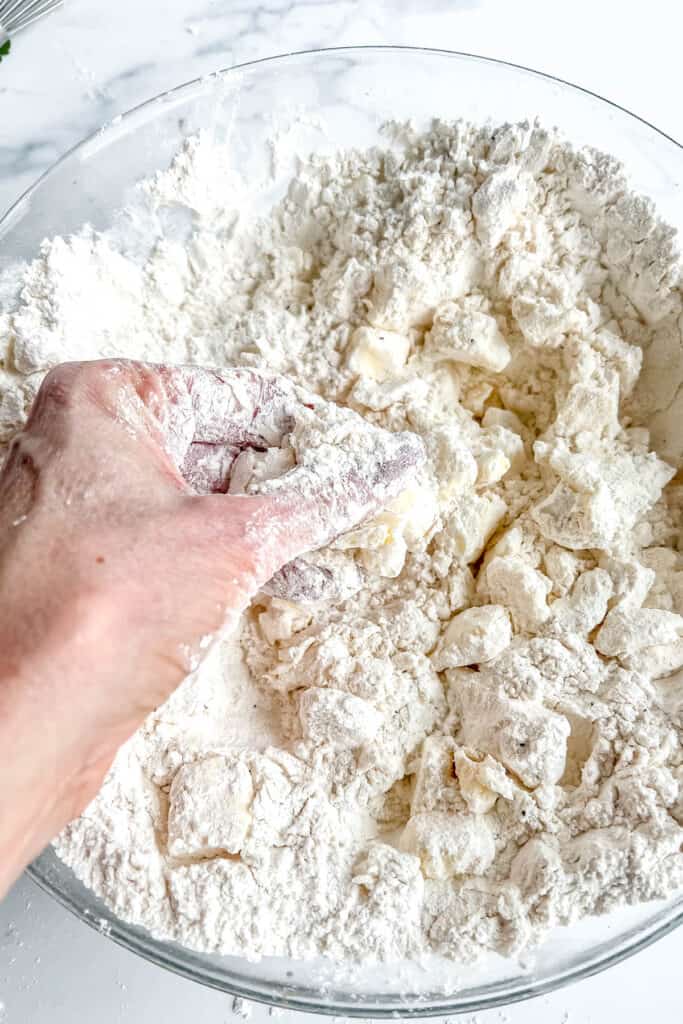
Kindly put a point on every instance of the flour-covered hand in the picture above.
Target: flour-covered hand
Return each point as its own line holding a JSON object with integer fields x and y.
{"x": 122, "y": 555}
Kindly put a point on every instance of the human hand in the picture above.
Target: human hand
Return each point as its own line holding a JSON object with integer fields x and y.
{"x": 120, "y": 558}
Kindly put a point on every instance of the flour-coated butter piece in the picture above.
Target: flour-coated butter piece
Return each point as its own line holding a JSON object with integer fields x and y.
{"x": 333, "y": 716}
{"x": 626, "y": 631}
{"x": 528, "y": 738}
{"x": 523, "y": 590}
{"x": 209, "y": 807}
{"x": 467, "y": 336}
{"x": 472, "y": 521}
{"x": 498, "y": 203}
{"x": 481, "y": 779}
{"x": 474, "y": 635}
{"x": 449, "y": 845}
{"x": 377, "y": 353}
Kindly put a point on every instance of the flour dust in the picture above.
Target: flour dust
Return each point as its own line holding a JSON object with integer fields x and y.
{"x": 477, "y": 736}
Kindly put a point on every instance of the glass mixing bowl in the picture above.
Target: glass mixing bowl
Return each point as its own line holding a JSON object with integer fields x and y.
{"x": 317, "y": 102}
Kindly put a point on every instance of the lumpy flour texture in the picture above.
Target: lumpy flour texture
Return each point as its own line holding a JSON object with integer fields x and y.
{"x": 474, "y": 733}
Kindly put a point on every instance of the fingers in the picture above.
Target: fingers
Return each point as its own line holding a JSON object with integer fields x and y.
{"x": 210, "y": 416}
{"x": 346, "y": 469}
{"x": 339, "y": 481}
{"x": 334, "y": 488}
{"x": 219, "y": 412}
{"x": 237, "y": 407}
{"x": 207, "y": 468}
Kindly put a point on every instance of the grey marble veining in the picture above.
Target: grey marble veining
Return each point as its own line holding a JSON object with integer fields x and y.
{"x": 81, "y": 67}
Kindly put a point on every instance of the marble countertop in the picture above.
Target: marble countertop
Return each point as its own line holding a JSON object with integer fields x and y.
{"x": 91, "y": 61}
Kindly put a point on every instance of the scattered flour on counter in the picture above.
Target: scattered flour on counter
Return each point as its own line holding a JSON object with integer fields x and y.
{"x": 477, "y": 736}
{"x": 241, "y": 1008}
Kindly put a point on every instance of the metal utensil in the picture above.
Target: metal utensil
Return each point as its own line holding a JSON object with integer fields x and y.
{"x": 16, "y": 15}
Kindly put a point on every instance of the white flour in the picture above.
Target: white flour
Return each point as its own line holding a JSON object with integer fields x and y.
{"x": 474, "y": 734}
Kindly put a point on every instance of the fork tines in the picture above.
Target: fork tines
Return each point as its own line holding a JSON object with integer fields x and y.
{"x": 16, "y": 15}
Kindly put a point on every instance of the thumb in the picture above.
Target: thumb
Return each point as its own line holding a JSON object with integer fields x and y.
{"x": 331, "y": 491}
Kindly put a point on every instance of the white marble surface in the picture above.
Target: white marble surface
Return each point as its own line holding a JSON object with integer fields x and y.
{"x": 92, "y": 61}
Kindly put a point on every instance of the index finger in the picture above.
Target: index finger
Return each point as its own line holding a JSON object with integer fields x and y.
{"x": 209, "y": 416}
{"x": 237, "y": 406}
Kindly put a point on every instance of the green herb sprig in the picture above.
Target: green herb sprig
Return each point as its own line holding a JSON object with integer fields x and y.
{"x": 5, "y": 49}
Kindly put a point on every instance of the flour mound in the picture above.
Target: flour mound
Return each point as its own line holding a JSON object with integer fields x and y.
{"x": 474, "y": 733}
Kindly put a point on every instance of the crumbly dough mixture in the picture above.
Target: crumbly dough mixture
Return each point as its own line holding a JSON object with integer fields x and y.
{"x": 472, "y": 731}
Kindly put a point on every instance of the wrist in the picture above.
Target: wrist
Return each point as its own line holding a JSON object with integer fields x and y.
{"x": 30, "y": 800}
{"x": 55, "y": 760}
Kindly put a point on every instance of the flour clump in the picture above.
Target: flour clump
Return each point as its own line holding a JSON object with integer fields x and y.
{"x": 459, "y": 724}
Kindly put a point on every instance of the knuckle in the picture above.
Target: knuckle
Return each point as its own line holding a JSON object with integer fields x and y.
{"x": 65, "y": 388}
{"x": 58, "y": 382}
{"x": 68, "y": 382}
{"x": 66, "y": 378}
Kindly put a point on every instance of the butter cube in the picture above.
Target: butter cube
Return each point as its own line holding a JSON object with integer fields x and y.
{"x": 376, "y": 353}
{"x": 467, "y": 336}
{"x": 209, "y": 807}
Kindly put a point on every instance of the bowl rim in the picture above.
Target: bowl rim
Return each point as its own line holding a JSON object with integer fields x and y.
{"x": 150, "y": 948}
{"x": 220, "y": 73}
{"x": 162, "y": 954}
